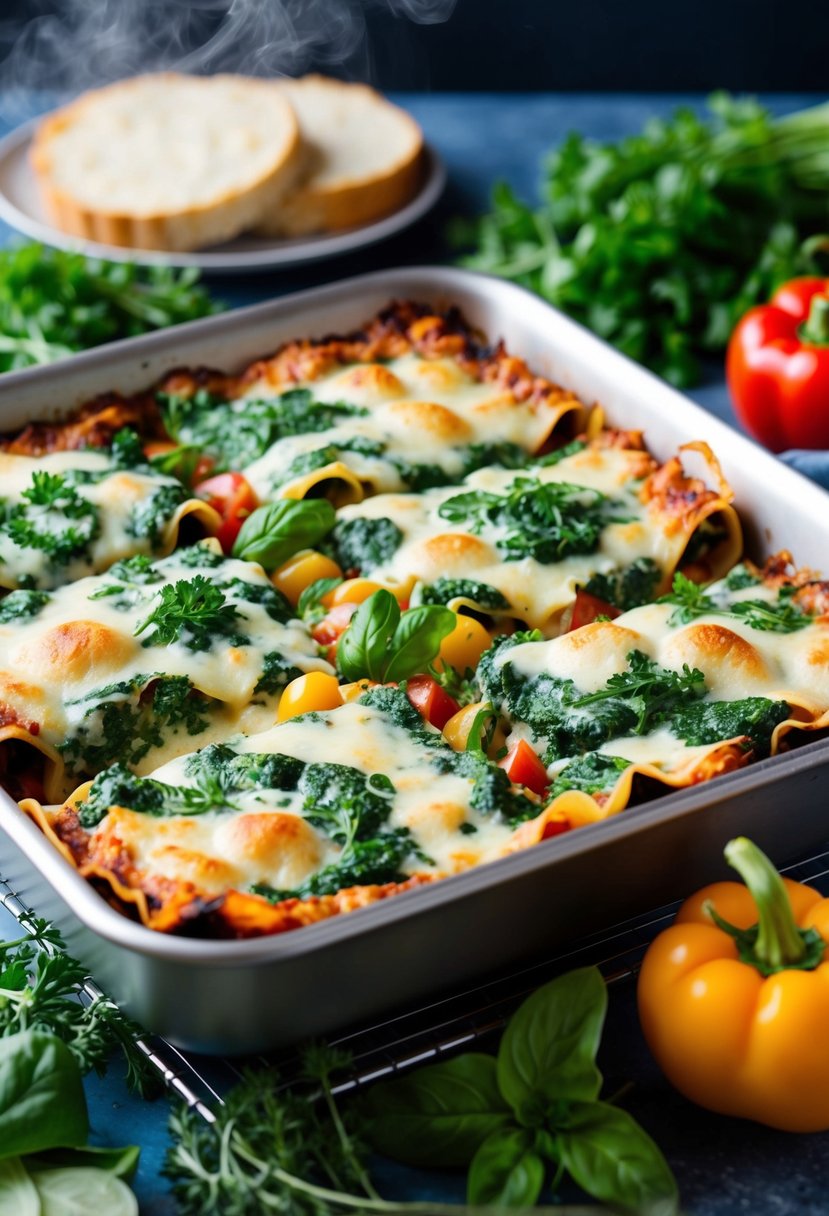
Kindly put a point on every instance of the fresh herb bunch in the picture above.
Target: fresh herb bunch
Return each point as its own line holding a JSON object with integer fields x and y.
{"x": 53, "y": 303}
{"x": 661, "y": 241}
{"x": 39, "y": 988}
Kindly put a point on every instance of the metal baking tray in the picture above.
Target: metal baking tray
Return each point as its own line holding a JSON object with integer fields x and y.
{"x": 243, "y": 997}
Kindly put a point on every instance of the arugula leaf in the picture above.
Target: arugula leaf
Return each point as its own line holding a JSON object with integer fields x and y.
{"x": 276, "y": 532}
{"x": 506, "y": 1172}
{"x": 382, "y": 644}
{"x": 547, "y": 521}
{"x": 21, "y": 605}
{"x": 42, "y": 1102}
{"x": 548, "y": 1050}
{"x": 363, "y": 544}
{"x": 439, "y": 1115}
{"x": 195, "y": 612}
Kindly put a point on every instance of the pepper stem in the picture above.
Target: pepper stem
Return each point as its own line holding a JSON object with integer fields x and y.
{"x": 779, "y": 942}
{"x": 815, "y": 328}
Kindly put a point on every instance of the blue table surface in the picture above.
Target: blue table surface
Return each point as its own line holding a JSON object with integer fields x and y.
{"x": 723, "y": 1166}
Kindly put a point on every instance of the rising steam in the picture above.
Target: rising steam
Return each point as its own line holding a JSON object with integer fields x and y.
{"x": 70, "y": 45}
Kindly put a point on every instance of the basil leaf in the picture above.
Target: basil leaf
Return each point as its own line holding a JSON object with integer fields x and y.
{"x": 417, "y": 640}
{"x": 609, "y": 1155}
{"x": 439, "y": 1115}
{"x": 548, "y": 1050}
{"x": 18, "y": 1194}
{"x": 42, "y": 1102}
{"x": 363, "y": 648}
{"x": 505, "y": 1171}
{"x": 274, "y": 533}
{"x": 122, "y": 1162}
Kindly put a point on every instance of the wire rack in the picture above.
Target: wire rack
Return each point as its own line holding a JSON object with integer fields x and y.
{"x": 432, "y": 1030}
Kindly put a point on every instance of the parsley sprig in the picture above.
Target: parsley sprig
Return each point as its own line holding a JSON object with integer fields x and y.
{"x": 195, "y": 612}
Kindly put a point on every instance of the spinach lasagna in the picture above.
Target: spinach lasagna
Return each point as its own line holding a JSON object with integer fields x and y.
{"x": 442, "y": 613}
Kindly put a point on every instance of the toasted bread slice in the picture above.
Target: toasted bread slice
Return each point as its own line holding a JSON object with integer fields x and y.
{"x": 364, "y": 158}
{"x": 167, "y": 161}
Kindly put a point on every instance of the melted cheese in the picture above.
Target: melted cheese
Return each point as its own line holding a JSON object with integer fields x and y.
{"x": 54, "y": 664}
{"x": 266, "y": 840}
{"x": 423, "y": 411}
{"x": 115, "y": 495}
{"x": 537, "y": 592}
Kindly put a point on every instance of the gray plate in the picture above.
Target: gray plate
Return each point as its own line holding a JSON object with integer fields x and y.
{"x": 21, "y": 208}
{"x": 240, "y": 997}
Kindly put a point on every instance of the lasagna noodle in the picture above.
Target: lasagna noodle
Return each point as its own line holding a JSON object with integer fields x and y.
{"x": 738, "y": 662}
{"x": 118, "y": 496}
{"x": 663, "y": 513}
{"x": 183, "y": 868}
{"x": 83, "y": 643}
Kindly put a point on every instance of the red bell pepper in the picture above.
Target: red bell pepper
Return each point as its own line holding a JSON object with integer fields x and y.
{"x": 778, "y": 367}
{"x": 233, "y": 497}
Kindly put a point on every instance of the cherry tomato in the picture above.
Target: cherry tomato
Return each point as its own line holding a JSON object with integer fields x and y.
{"x": 587, "y": 608}
{"x": 523, "y": 767}
{"x": 233, "y": 497}
{"x": 431, "y": 701}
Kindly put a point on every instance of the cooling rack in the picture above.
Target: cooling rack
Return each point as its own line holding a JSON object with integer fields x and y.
{"x": 428, "y": 1032}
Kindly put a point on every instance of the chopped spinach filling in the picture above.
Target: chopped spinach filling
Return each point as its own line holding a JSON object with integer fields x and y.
{"x": 236, "y": 433}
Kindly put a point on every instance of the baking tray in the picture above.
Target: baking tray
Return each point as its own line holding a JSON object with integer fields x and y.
{"x": 242, "y": 997}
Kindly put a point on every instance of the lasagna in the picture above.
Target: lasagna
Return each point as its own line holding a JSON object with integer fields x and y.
{"x": 442, "y": 613}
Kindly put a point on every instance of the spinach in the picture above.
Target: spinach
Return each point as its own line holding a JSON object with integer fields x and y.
{"x": 546, "y": 521}
{"x": 531, "y": 1113}
{"x": 22, "y": 605}
{"x": 195, "y": 612}
{"x": 383, "y": 644}
{"x": 276, "y": 673}
{"x": 629, "y": 587}
{"x": 363, "y": 544}
{"x": 593, "y": 773}
{"x": 42, "y": 1102}
{"x": 150, "y": 516}
{"x": 712, "y": 721}
{"x": 442, "y": 590}
{"x": 740, "y": 577}
{"x": 122, "y": 722}
{"x": 276, "y": 532}
{"x": 236, "y": 433}
{"x": 53, "y": 517}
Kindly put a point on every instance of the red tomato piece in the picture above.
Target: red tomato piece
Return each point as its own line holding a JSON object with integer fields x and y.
{"x": 431, "y": 701}
{"x": 524, "y": 767}
{"x": 233, "y": 497}
{"x": 587, "y": 608}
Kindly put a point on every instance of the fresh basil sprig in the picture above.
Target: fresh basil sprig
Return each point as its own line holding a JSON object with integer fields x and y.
{"x": 531, "y": 1113}
{"x": 276, "y": 532}
{"x": 382, "y": 643}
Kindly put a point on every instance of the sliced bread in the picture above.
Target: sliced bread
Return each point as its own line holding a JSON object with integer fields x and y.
{"x": 363, "y": 158}
{"x": 168, "y": 161}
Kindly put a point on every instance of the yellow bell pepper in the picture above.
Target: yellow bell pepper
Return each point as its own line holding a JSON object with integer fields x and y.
{"x": 734, "y": 997}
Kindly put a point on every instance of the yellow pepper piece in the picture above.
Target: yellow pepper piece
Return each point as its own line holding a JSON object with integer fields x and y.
{"x": 464, "y": 646}
{"x": 299, "y": 571}
{"x": 737, "y": 1021}
{"x": 316, "y": 690}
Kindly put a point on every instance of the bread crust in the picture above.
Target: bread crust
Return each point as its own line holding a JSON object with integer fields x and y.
{"x": 220, "y": 218}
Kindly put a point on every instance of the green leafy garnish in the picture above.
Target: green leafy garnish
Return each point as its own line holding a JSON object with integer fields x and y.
{"x": 383, "y": 644}
{"x": 661, "y": 241}
{"x": 543, "y": 520}
{"x": 54, "y": 303}
{"x": 195, "y": 612}
{"x": 276, "y": 532}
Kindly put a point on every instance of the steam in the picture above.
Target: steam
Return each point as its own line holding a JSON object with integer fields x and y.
{"x": 71, "y": 45}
